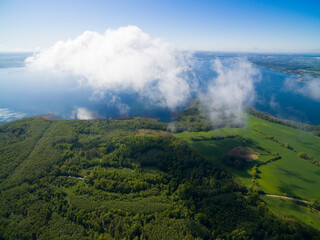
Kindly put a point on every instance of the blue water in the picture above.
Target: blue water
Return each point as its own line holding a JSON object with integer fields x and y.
{"x": 275, "y": 98}
{"x": 28, "y": 94}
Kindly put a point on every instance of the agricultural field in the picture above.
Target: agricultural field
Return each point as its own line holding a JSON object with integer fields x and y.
{"x": 290, "y": 175}
{"x": 294, "y": 209}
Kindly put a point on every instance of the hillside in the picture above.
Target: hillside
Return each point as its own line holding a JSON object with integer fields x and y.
{"x": 131, "y": 179}
{"x": 288, "y": 164}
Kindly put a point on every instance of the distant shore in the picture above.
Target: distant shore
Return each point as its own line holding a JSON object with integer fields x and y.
{"x": 284, "y": 71}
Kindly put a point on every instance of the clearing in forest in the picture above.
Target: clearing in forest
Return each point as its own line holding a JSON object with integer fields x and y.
{"x": 244, "y": 152}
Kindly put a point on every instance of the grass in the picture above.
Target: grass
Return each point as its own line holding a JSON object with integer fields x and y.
{"x": 293, "y": 209}
{"x": 290, "y": 175}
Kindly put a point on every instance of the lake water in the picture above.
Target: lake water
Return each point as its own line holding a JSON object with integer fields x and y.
{"x": 274, "y": 97}
{"x": 24, "y": 94}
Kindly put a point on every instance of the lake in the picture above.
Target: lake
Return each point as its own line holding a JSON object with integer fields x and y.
{"x": 24, "y": 94}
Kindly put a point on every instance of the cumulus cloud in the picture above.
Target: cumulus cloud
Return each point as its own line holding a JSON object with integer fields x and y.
{"x": 231, "y": 89}
{"x": 310, "y": 87}
{"x": 121, "y": 60}
{"x": 127, "y": 60}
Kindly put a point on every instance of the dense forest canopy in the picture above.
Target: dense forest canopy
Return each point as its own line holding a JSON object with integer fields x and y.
{"x": 123, "y": 179}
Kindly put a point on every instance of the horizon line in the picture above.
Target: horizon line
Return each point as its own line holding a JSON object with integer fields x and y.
{"x": 204, "y": 51}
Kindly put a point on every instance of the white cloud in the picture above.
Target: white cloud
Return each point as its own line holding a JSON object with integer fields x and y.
{"x": 122, "y": 107}
{"x": 83, "y": 114}
{"x": 310, "y": 87}
{"x": 274, "y": 104}
{"x": 129, "y": 60}
{"x": 232, "y": 89}
{"x": 7, "y": 115}
{"x": 121, "y": 60}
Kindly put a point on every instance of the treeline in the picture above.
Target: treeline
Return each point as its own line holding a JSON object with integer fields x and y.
{"x": 302, "y": 155}
{"x": 306, "y": 127}
{"x": 254, "y": 187}
{"x": 197, "y": 119}
{"x": 204, "y": 138}
{"x": 272, "y": 159}
{"x": 305, "y": 156}
{"x": 272, "y": 138}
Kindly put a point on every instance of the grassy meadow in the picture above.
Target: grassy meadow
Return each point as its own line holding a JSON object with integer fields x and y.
{"x": 289, "y": 176}
{"x": 293, "y": 209}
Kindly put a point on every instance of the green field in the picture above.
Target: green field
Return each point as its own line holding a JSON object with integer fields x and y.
{"x": 293, "y": 209}
{"x": 288, "y": 176}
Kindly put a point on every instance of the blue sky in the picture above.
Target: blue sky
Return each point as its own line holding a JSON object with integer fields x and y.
{"x": 230, "y": 25}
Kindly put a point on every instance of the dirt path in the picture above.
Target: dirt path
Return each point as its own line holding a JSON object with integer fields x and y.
{"x": 81, "y": 178}
{"x": 285, "y": 197}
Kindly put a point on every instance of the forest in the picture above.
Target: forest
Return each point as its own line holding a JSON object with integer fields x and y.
{"x": 124, "y": 179}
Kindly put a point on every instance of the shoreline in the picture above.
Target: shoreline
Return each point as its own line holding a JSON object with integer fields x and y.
{"x": 284, "y": 71}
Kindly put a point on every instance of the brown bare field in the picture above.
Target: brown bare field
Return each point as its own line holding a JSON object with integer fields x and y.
{"x": 49, "y": 116}
{"x": 244, "y": 152}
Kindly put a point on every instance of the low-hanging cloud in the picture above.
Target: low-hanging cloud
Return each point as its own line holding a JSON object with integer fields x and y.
{"x": 129, "y": 60}
{"x": 121, "y": 60}
{"x": 83, "y": 114}
{"x": 310, "y": 87}
{"x": 231, "y": 89}
{"x": 122, "y": 107}
{"x": 7, "y": 115}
